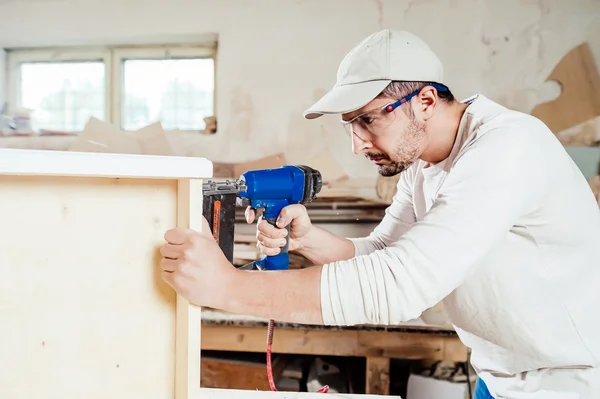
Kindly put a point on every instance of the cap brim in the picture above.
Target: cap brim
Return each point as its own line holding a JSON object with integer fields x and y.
{"x": 347, "y": 98}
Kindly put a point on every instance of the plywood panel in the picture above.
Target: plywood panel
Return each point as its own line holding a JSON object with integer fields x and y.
{"x": 84, "y": 311}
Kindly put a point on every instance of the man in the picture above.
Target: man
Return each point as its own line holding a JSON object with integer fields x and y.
{"x": 491, "y": 216}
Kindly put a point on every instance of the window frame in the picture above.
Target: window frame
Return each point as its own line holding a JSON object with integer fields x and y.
{"x": 113, "y": 58}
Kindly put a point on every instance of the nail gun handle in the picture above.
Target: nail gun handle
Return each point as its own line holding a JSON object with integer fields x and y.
{"x": 281, "y": 260}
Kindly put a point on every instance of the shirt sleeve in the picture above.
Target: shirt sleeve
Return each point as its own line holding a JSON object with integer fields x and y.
{"x": 499, "y": 178}
{"x": 398, "y": 218}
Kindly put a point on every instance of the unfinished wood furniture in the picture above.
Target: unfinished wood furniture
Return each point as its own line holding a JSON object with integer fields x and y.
{"x": 85, "y": 313}
{"x": 223, "y": 331}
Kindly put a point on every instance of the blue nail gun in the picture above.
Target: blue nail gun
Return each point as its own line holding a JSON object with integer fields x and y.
{"x": 268, "y": 189}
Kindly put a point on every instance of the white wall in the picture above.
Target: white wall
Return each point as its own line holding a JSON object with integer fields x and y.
{"x": 3, "y": 84}
{"x": 277, "y": 57}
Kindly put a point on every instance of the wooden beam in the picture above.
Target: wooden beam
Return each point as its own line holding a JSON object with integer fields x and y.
{"x": 336, "y": 342}
{"x": 378, "y": 375}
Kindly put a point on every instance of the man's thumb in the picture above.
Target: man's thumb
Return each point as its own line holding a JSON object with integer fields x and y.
{"x": 288, "y": 214}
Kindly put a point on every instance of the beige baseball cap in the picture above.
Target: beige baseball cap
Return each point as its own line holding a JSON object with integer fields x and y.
{"x": 372, "y": 64}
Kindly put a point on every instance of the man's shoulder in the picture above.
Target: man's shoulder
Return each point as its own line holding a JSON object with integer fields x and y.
{"x": 502, "y": 126}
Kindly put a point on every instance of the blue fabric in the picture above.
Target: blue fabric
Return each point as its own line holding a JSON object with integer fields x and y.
{"x": 481, "y": 391}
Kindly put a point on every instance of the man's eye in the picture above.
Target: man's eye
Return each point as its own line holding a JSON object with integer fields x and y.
{"x": 367, "y": 120}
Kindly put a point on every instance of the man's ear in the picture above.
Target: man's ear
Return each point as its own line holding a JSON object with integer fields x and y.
{"x": 427, "y": 102}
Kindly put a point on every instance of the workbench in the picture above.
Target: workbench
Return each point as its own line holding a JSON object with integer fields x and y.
{"x": 223, "y": 331}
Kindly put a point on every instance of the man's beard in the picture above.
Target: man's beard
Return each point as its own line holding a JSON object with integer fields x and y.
{"x": 406, "y": 152}
{"x": 393, "y": 168}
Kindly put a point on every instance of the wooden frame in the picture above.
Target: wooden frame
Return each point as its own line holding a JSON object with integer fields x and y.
{"x": 85, "y": 312}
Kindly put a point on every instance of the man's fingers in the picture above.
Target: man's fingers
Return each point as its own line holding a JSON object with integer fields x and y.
{"x": 171, "y": 278}
{"x": 271, "y": 242}
{"x": 267, "y": 251}
{"x": 270, "y": 231}
{"x": 168, "y": 265}
{"x": 176, "y": 236}
{"x": 250, "y": 215}
{"x": 170, "y": 251}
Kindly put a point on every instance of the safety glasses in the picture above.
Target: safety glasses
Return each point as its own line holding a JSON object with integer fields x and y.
{"x": 374, "y": 122}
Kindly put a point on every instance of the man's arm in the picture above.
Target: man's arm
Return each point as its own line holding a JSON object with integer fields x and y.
{"x": 499, "y": 179}
{"x": 292, "y": 296}
{"x": 322, "y": 247}
{"x": 295, "y": 295}
{"x": 398, "y": 219}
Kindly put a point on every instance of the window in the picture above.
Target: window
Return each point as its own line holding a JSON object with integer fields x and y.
{"x": 129, "y": 87}
{"x": 63, "y": 94}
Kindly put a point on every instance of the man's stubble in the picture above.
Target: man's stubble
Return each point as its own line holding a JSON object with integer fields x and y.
{"x": 407, "y": 150}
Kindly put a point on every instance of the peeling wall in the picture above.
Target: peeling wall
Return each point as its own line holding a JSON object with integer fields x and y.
{"x": 277, "y": 57}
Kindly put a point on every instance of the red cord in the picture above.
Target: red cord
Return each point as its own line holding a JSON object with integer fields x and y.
{"x": 269, "y": 366}
{"x": 324, "y": 389}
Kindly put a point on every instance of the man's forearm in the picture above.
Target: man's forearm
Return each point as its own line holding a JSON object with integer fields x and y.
{"x": 322, "y": 247}
{"x": 292, "y": 296}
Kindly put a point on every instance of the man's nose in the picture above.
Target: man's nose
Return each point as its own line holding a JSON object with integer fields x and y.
{"x": 358, "y": 144}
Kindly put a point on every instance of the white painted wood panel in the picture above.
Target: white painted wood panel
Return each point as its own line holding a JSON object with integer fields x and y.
{"x": 16, "y": 161}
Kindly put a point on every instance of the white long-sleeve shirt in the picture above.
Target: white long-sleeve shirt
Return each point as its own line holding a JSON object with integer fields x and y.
{"x": 506, "y": 232}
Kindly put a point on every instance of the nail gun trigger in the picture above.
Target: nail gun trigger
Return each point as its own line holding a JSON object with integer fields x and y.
{"x": 243, "y": 202}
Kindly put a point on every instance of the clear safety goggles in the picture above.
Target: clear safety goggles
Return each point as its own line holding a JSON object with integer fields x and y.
{"x": 374, "y": 122}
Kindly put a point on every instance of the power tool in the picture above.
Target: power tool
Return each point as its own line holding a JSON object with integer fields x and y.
{"x": 270, "y": 190}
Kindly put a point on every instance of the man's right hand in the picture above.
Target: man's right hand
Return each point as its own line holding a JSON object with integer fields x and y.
{"x": 270, "y": 238}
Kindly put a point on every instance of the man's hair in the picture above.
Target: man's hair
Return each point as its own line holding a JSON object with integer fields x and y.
{"x": 398, "y": 89}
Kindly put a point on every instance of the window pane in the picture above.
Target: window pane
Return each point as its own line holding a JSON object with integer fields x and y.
{"x": 178, "y": 93}
{"x": 63, "y": 95}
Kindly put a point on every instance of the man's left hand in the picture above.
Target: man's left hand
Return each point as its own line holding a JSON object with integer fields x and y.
{"x": 195, "y": 266}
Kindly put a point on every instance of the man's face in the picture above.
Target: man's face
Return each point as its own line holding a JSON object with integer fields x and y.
{"x": 392, "y": 140}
